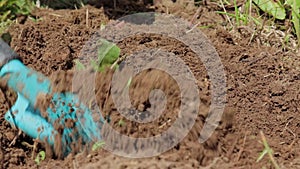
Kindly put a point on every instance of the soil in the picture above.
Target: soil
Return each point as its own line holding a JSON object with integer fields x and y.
{"x": 262, "y": 93}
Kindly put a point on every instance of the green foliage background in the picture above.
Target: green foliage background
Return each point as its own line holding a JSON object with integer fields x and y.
{"x": 10, "y": 9}
{"x": 285, "y": 10}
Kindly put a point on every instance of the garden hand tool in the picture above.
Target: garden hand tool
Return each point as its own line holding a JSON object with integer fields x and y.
{"x": 65, "y": 107}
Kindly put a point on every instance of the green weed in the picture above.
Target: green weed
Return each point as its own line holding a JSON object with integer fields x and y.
{"x": 266, "y": 20}
{"x": 267, "y": 151}
{"x": 279, "y": 9}
{"x": 98, "y": 145}
{"x": 35, "y": 19}
{"x": 102, "y": 26}
{"x": 108, "y": 54}
{"x": 40, "y": 157}
{"x": 129, "y": 82}
{"x": 10, "y": 9}
{"x": 79, "y": 65}
{"x": 274, "y": 8}
{"x": 295, "y": 7}
{"x": 240, "y": 16}
{"x": 121, "y": 123}
{"x": 4, "y": 25}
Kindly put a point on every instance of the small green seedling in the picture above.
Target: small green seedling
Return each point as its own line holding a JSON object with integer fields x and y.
{"x": 108, "y": 54}
{"x": 241, "y": 18}
{"x": 121, "y": 123}
{"x": 40, "y": 157}
{"x": 9, "y": 9}
{"x": 268, "y": 151}
{"x": 98, "y": 145}
{"x": 79, "y": 65}
{"x": 102, "y": 26}
{"x": 35, "y": 19}
{"x": 129, "y": 82}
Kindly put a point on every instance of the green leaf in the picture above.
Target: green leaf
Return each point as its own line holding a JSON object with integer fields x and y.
{"x": 35, "y": 19}
{"x": 296, "y": 18}
{"x": 121, "y": 123}
{"x": 40, "y": 157}
{"x": 5, "y": 16}
{"x": 15, "y": 7}
{"x": 98, "y": 145}
{"x": 108, "y": 53}
{"x": 94, "y": 64}
{"x": 262, "y": 154}
{"x": 272, "y": 7}
{"x": 102, "y": 26}
{"x": 79, "y": 65}
{"x": 129, "y": 82}
{"x": 2, "y": 3}
{"x": 291, "y": 3}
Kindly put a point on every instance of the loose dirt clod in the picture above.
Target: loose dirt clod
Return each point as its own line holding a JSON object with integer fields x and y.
{"x": 61, "y": 81}
{"x": 43, "y": 102}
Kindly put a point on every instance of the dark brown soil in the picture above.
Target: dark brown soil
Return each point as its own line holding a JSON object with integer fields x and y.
{"x": 262, "y": 82}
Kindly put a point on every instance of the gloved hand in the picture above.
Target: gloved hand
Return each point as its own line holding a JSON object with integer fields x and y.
{"x": 49, "y": 126}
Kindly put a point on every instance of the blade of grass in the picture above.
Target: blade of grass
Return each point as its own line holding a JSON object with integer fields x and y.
{"x": 237, "y": 13}
{"x": 226, "y": 14}
{"x": 268, "y": 151}
{"x": 296, "y": 19}
{"x": 262, "y": 154}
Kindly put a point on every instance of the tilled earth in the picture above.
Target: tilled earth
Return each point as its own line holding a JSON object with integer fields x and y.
{"x": 262, "y": 94}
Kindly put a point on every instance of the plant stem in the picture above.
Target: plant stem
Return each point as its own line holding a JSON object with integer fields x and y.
{"x": 270, "y": 152}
